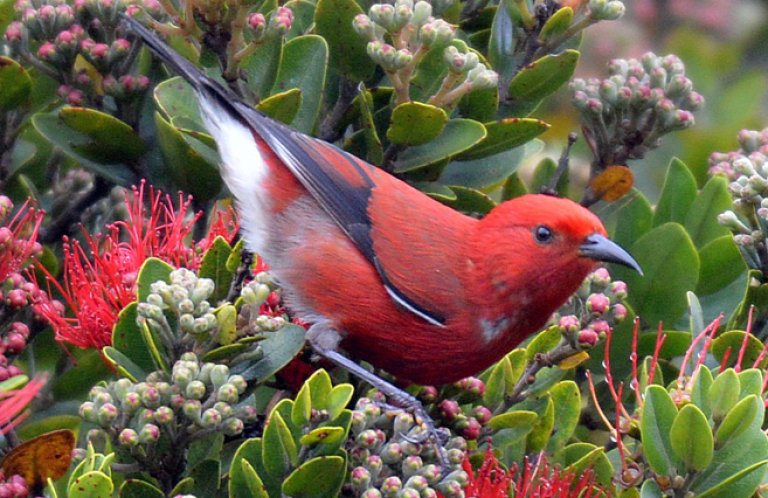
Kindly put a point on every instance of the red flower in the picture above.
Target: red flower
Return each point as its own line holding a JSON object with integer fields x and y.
{"x": 18, "y": 238}
{"x": 537, "y": 480}
{"x": 100, "y": 279}
{"x": 13, "y": 403}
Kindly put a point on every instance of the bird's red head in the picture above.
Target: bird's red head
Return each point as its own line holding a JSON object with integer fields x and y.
{"x": 534, "y": 251}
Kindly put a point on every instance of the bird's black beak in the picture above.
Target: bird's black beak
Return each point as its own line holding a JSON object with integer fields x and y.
{"x": 602, "y": 249}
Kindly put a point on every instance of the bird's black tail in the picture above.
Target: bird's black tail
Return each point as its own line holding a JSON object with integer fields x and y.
{"x": 178, "y": 64}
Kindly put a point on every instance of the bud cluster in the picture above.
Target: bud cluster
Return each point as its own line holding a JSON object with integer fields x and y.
{"x": 262, "y": 309}
{"x": 461, "y": 409}
{"x": 52, "y": 34}
{"x": 593, "y": 310}
{"x": 200, "y": 398}
{"x": 400, "y": 35}
{"x": 19, "y": 295}
{"x": 388, "y": 462}
{"x": 747, "y": 171}
{"x": 184, "y": 298}
{"x": 13, "y": 486}
{"x": 626, "y": 114}
{"x": 264, "y": 29}
{"x": 605, "y": 10}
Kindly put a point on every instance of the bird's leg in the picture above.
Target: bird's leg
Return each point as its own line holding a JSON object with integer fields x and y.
{"x": 395, "y": 394}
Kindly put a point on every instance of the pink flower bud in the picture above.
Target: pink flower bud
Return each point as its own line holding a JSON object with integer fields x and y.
{"x": 257, "y": 21}
{"x": 602, "y": 327}
{"x": 619, "y": 312}
{"x": 47, "y": 12}
{"x": 13, "y": 32}
{"x": 16, "y": 299}
{"x": 472, "y": 430}
{"x": 449, "y": 410}
{"x": 570, "y": 323}
{"x": 46, "y": 51}
{"x": 482, "y": 414}
{"x": 588, "y": 337}
{"x": 598, "y": 303}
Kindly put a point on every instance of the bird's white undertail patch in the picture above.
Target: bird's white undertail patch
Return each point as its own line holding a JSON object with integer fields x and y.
{"x": 243, "y": 169}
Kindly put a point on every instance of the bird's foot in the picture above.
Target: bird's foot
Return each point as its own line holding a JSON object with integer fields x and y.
{"x": 400, "y": 399}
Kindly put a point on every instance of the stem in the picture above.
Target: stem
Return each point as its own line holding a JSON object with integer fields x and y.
{"x": 329, "y": 127}
{"x": 562, "y": 165}
{"x": 449, "y": 82}
{"x": 540, "y": 360}
{"x": 242, "y": 272}
{"x": 402, "y": 90}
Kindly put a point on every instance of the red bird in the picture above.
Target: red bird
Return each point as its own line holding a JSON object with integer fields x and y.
{"x": 379, "y": 269}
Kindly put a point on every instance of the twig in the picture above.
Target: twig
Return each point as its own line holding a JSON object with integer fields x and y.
{"x": 541, "y": 360}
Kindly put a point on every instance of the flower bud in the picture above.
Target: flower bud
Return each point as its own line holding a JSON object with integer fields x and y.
{"x": 192, "y": 409}
{"x": 233, "y": 426}
{"x": 128, "y": 438}
{"x": 195, "y": 390}
{"x": 210, "y": 419}
{"x": 149, "y": 434}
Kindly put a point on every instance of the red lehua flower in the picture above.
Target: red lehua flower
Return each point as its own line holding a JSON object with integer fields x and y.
{"x": 13, "y": 403}
{"x": 100, "y": 279}
{"x": 538, "y": 480}
{"x": 18, "y": 238}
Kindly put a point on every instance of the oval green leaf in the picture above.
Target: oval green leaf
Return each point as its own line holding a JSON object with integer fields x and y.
{"x": 457, "y": 136}
{"x": 333, "y": 21}
{"x": 738, "y": 419}
{"x": 724, "y": 393}
{"x": 505, "y": 134}
{"x": 414, "y": 123}
{"x": 543, "y": 76}
{"x": 317, "y": 478}
{"x": 16, "y": 85}
{"x": 691, "y": 438}
{"x": 656, "y": 419}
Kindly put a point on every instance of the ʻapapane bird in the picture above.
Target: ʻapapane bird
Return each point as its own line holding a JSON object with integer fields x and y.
{"x": 382, "y": 271}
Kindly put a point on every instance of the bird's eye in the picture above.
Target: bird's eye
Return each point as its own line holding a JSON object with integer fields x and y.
{"x": 543, "y": 234}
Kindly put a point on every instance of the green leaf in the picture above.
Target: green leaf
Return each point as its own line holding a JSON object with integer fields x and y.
{"x": 279, "y": 451}
{"x": 480, "y": 105}
{"x": 76, "y": 144}
{"x": 677, "y": 194}
{"x": 319, "y": 477}
{"x": 486, "y": 173}
{"x": 734, "y": 471}
{"x": 222, "y": 353}
{"x": 414, "y": 123}
{"x": 542, "y": 77}
{"x": 320, "y": 388}
{"x": 151, "y": 271}
{"x": 92, "y": 484}
{"x": 458, "y": 136}
{"x": 15, "y": 82}
{"x": 724, "y": 393}
{"x": 470, "y": 200}
{"x": 280, "y": 347}
{"x": 557, "y": 24}
{"x": 7, "y": 14}
{"x": 246, "y": 483}
{"x": 721, "y": 264}
{"x": 177, "y": 99}
{"x": 340, "y": 397}
{"x": 247, "y": 476}
{"x": 124, "y": 364}
{"x": 751, "y": 382}
{"x": 691, "y": 438}
{"x": 333, "y": 21}
{"x": 671, "y": 265}
{"x": 327, "y": 435}
{"x": 738, "y": 419}
{"x": 702, "y": 383}
{"x": 191, "y": 168}
{"x": 656, "y": 419}
{"x": 135, "y": 488}
{"x": 302, "y": 406}
{"x": 519, "y": 420}
{"x": 734, "y": 340}
{"x": 501, "y": 46}
{"x": 260, "y": 67}
{"x": 544, "y": 341}
{"x": 701, "y": 222}
{"x": 110, "y": 140}
{"x": 207, "y": 448}
{"x": 207, "y": 478}
{"x": 542, "y": 430}
{"x": 283, "y": 106}
{"x": 650, "y": 489}
{"x": 633, "y": 219}
{"x": 126, "y": 338}
{"x": 725, "y": 488}
{"x": 567, "y": 401}
{"x": 579, "y": 457}
{"x": 303, "y": 66}
{"x": 505, "y": 134}
{"x": 303, "y": 17}
{"x": 214, "y": 266}
{"x": 374, "y": 149}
